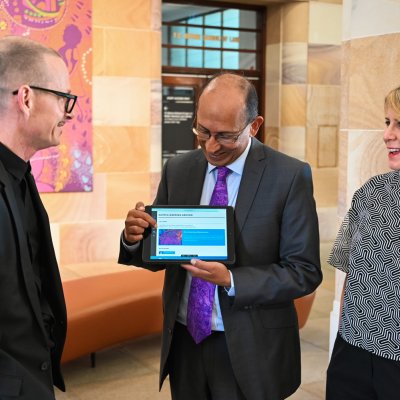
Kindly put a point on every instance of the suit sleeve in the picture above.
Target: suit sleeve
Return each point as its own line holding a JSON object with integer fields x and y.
{"x": 134, "y": 256}
{"x": 282, "y": 249}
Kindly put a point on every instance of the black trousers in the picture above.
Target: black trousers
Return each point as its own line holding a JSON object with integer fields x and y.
{"x": 201, "y": 371}
{"x": 357, "y": 374}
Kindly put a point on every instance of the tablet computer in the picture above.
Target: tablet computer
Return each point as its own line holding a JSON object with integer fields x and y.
{"x": 186, "y": 232}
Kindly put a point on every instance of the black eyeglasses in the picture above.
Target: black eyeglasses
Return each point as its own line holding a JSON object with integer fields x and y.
{"x": 70, "y": 102}
{"x": 225, "y": 138}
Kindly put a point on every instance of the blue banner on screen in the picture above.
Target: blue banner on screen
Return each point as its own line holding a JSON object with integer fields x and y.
{"x": 189, "y": 233}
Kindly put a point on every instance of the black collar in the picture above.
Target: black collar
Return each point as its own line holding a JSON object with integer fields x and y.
{"x": 14, "y": 165}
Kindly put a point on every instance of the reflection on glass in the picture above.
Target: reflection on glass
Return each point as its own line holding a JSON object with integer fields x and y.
{"x": 212, "y": 37}
{"x": 195, "y": 36}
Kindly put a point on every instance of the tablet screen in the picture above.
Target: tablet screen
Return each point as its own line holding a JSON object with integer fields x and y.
{"x": 183, "y": 233}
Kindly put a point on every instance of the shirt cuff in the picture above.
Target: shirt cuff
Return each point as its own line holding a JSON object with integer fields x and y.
{"x": 129, "y": 247}
{"x": 231, "y": 290}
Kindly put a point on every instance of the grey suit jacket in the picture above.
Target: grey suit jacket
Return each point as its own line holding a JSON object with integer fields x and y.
{"x": 277, "y": 260}
{"x": 27, "y": 368}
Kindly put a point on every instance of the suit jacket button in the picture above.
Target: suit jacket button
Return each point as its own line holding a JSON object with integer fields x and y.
{"x": 44, "y": 366}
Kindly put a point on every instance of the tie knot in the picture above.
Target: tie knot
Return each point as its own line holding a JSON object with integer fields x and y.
{"x": 223, "y": 172}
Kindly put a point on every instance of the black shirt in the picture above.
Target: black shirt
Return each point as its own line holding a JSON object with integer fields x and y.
{"x": 19, "y": 172}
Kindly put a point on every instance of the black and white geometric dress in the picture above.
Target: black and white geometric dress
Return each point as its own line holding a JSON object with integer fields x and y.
{"x": 367, "y": 248}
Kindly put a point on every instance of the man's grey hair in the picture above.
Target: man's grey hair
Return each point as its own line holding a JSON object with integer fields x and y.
{"x": 22, "y": 61}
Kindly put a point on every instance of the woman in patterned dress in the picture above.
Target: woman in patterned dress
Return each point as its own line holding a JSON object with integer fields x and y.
{"x": 365, "y": 363}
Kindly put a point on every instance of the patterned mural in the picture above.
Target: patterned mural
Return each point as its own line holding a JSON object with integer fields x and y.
{"x": 65, "y": 25}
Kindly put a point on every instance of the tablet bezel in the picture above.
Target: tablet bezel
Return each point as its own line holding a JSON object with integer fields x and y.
{"x": 229, "y": 229}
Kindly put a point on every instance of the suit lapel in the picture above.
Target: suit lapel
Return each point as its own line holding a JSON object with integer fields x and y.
{"x": 254, "y": 167}
{"x": 194, "y": 179}
{"x": 26, "y": 267}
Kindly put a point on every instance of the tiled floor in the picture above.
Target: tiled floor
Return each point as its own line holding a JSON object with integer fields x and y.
{"x": 130, "y": 371}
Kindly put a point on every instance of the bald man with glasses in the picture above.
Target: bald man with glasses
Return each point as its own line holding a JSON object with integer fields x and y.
{"x": 231, "y": 332}
{"x": 35, "y": 104}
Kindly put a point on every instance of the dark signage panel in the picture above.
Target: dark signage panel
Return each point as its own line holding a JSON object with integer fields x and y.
{"x": 177, "y": 118}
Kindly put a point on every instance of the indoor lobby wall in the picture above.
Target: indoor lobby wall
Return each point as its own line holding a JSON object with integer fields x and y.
{"x": 370, "y": 68}
{"x": 126, "y": 133}
{"x": 303, "y": 58}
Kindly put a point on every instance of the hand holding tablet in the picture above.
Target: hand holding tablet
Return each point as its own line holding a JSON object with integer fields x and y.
{"x": 186, "y": 232}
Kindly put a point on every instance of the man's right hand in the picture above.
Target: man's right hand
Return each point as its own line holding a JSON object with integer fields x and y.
{"x": 136, "y": 222}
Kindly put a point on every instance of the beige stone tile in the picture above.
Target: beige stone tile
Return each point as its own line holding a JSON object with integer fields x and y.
{"x": 294, "y": 63}
{"x": 292, "y": 141}
{"x": 121, "y": 149}
{"x": 325, "y": 26}
{"x": 367, "y": 157}
{"x": 360, "y": 18}
{"x": 132, "y": 52}
{"x": 372, "y": 75}
{"x": 121, "y": 101}
{"x": 124, "y": 14}
{"x": 156, "y": 15}
{"x": 124, "y": 190}
{"x": 156, "y": 102}
{"x": 98, "y": 52}
{"x": 325, "y": 186}
{"x": 324, "y": 63}
{"x": 272, "y": 105}
{"x": 273, "y": 63}
{"x": 323, "y": 105}
{"x": 327, "y": 219}
{"x": 293, "y": 105}
{"x": 77, "y": 206}
{"x": 155, "y": 178}
{"x": 272, "y": 137}
{"x": 86, "y": 269}
{"x": 155, "y": 149}
{"x": 327, "y": 146}
{"x": 345, "y": 84}
{"x": 295, "y": 22}
{"x": 274, "y": 24}
{"x": 90, "y": 241}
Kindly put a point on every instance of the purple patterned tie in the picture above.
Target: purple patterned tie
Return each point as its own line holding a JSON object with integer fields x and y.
{"x": 201, "y": 296}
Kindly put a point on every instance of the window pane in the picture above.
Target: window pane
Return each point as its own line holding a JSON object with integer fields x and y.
{"x": 247, "y": 61}
{"x": 165, "y": 56}
{"x": 230, "y": 60}
{"x": 212, "y": 59}
{"x": 248, "y": 19}
{"x": 195, "y": 58}
{"x": 214, "y": 19}
{"x": 165, "y": 34}
{"x": 195, "y": 37}
{"x": 231, "y": 39}
{"x": 240, "y": 40}
{"x": 212, "y": 38}
{"x": 231, "y": 18}
{"x": 195, "y": 21}
{"x": 178, "y": 58}
{"x": 177, "y": 35}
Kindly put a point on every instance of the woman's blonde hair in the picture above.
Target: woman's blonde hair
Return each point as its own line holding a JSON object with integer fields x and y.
{"x": 392, "y": 101}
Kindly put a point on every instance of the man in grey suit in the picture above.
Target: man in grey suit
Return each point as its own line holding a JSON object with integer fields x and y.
{"x": 253, "y": 351}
